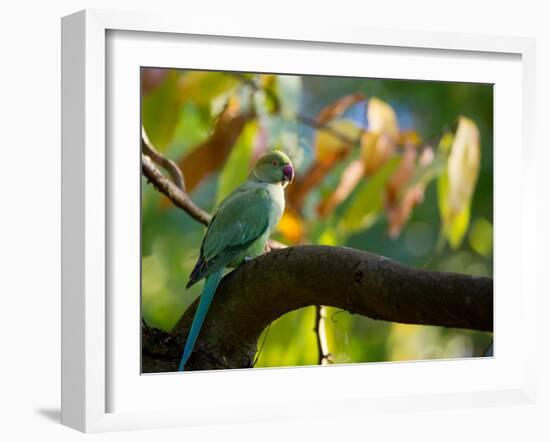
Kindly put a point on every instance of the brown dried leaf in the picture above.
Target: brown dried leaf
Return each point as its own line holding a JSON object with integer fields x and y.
{"x": 379, "y": 143}
{"x": 348, "y": 181}
{"x": 401, "y": 176}
{"x": 399, "y": 214}
{"x": 210, "y": 155}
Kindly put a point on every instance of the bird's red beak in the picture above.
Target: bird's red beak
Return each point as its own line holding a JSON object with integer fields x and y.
{"x": 288, "y": 173}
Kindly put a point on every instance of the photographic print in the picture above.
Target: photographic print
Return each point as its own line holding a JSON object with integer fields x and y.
{"x": 303, "y": 220}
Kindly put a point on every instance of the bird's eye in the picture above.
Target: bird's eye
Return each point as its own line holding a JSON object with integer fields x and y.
{"x": 275, "y": 163}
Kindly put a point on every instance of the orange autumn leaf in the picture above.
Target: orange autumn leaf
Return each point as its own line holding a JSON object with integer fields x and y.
{"x": 291, "y": 226}
{"x": 401, "y": 176}
{"x": 403, "y": 192}
{"x": 211, "y": 154}
{"x": 348, "y": 181}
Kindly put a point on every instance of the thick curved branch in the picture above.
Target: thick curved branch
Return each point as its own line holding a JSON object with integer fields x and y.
{"x": 253, "y": 296}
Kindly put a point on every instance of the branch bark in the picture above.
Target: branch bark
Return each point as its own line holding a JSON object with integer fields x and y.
{"x": 254, "y": 295}
{"x": 172, "y": 191}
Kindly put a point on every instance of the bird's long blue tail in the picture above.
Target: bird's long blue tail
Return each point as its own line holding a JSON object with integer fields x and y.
{"x": 210, "y": 286}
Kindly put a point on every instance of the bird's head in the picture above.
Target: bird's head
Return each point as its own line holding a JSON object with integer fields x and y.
{"x": 275, "y": 168}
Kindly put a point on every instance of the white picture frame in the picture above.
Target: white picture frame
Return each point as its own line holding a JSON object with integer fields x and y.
{"x": 87, "y": 207}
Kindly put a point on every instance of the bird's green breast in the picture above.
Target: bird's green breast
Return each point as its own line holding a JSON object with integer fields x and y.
{"x": 277, "y": 207}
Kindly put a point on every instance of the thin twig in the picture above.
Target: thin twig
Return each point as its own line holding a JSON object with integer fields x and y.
{"x": 261, "y": 346}
{"x": 321, "y": 335}
{"x": 173, "y": 192}
{"x": 148, "y": 149}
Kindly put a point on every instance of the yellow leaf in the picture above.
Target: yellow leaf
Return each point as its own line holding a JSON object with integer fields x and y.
{"x": 457, "y": 183}
{"x": 463, "y": 165}
{"x": 382, "y": 118}
{"x": 327, "y": 143}
{"x": 291, "y": 227}
{"x": 378, "y": 143}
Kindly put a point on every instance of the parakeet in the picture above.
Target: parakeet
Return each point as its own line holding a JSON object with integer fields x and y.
{"x": 239, "y": 231}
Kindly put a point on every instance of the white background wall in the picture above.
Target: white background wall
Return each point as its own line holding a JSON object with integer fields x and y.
{"x": 30, "y": 215}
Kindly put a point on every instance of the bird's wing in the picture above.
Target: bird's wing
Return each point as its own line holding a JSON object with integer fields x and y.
{"x": 239, "y": 221}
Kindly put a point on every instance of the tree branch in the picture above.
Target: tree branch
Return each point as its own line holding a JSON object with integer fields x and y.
{"x": 254, "y": 295}
{"x": 323, "y": 354}
{"x": 173, "y": 192}
{"x": 148, "y": 149}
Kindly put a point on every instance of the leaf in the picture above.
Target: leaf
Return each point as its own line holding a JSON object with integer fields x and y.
{"x": 399, "y": 214}
{"x": 349, "y": 180}
{"x": 457, "y": 183}
{"x": 382, "y": 119}
{"x": 481, "y": 237}
{"x": 212, "y": 153}
{"x": 368, "y": 201}
{"x": 454, "y": 224}
{"x": 334, "y": 110}
{"x": 428, "y": 169}
{"x": 405, "y": 190}
{"x": 190, "y": 130}
{"x": 378, "y": 143}
{"x": 463, "y": 165}
{"x": 291, "y": 226}
{"x": 236, "y": 168}
{"x": 328, "y": 145}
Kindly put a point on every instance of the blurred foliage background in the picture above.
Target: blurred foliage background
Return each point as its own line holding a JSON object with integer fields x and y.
{"x": 395, "y": 167}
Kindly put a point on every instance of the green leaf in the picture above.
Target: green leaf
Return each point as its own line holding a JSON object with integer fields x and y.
{"x": 446, "y": 142}
{"x": 189, "y": 132}
{"x": 236, "y": 168}
{"x": 481, "y": 237}
{"x": 367, "y": 202}
{"x": 454, "y": 225}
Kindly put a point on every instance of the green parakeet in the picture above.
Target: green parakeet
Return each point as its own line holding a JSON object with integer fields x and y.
{"x": 239, "y": 231}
